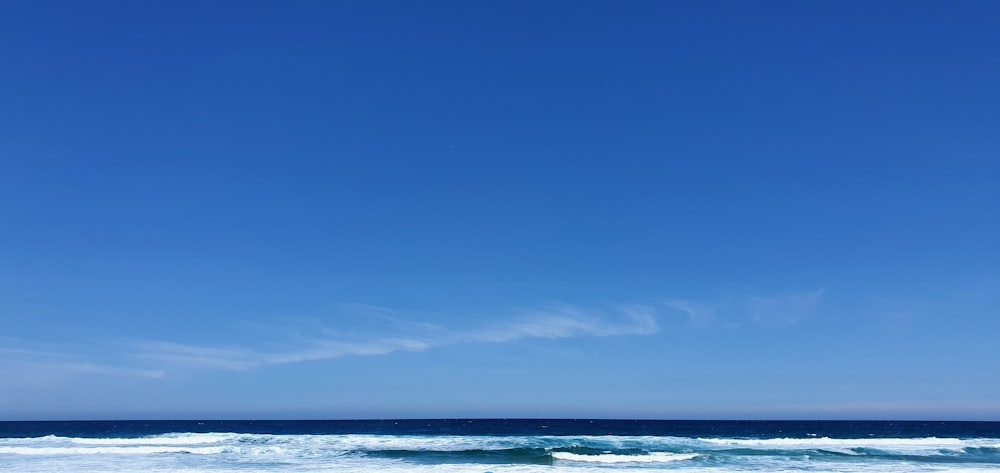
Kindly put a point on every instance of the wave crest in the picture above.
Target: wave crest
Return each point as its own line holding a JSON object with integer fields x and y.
{"x": 654, "y": 457}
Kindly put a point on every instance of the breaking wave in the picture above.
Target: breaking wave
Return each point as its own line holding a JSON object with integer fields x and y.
{"x": 197, "y": 452}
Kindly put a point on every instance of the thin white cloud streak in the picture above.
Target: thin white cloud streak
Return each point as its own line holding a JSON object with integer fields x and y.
{"x": 328, "y": 349}
{"x": 26, "y": 368}
{"x": 567, "y": 321}
{"x": 699, "y": 315}
{"x": 547, "y": 323}
{"x": 734, "y": 312}
{"x": 49, "y": 362}
{"x": 553, "y": 322}
{"x": 238, "y": 359}
{"x": 200, "y": 356}
{"x": 95, "y": 368}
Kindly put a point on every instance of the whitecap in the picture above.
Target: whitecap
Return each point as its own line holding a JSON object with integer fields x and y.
{"x": 169, "y": 439}
{"x": 144, "y": 450}
{"x": 654, "y": 457}
{"x": 916, "y": 446}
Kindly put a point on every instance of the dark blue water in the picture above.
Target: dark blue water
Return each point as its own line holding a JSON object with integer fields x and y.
{"x": 519, "y": 427}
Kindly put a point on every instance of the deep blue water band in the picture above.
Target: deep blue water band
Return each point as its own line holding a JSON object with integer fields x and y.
{"x": 678, "y": 428}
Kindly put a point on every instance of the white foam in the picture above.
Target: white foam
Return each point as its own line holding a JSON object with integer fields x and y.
{"x": 923, "y": 445}
{"x": 654, "y": 457}
{"x": 263, "y": 453}
{"x": 147, "y": 450}
{"x": 327, "y": 443}
{"x": 343, "y": 449}
{"x": 370, "y": 443}
{"x": 172, "y": 439}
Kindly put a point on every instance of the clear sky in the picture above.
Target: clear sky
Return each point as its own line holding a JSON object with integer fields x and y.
{"x": 656, "y": 209}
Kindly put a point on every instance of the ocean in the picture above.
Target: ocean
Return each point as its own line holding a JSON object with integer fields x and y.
{"x": 499, "y": 446}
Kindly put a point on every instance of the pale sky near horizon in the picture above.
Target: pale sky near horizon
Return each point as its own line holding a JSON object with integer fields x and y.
{"x": 374, "y": 209}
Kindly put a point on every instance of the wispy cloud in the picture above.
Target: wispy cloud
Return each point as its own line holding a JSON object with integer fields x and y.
{"x": 735, "y": 311}
{"x": 201, "y": 356}
{"x": 699, "y": 315}
{"x": 379, "y": 331}
{"x": 179, "y": 354}
{"x": 540, "y": 323}
{"x": 569, "y": 321}
{"x": 97, "y": 368}
{"x": 28, "y": 367}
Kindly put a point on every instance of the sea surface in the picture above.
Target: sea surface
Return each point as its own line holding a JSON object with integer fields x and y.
{"x": 499, "y": 446}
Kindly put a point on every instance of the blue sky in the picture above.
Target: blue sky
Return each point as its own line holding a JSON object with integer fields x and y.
{"x": 499, "y": 209}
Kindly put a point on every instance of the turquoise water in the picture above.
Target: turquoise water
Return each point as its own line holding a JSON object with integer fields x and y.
{"x": 499, "y": 446}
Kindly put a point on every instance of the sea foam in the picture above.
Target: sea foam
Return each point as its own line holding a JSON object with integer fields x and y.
{"x": 654, "y": 457}
{"x": 385, "y": 453}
